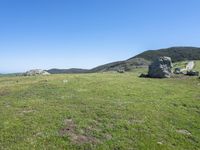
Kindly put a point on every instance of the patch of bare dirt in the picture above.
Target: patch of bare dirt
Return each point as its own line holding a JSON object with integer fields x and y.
{"x": 26, "y": 111}
{"x": 4, "y": 92}
{"x": 135, "y": 121}
{"x": 37, "y": 134}
{"x": 75, "y": 137}
{"x": 108, "y": 136}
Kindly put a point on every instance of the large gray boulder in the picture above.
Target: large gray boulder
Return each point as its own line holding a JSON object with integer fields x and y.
{"x": 35, "y": 72}
{"x": 161, "y": 68}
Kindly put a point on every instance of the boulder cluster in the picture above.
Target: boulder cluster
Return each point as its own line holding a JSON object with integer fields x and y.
{"x": 35, "y": 72}
{"x": 162, "y": 68}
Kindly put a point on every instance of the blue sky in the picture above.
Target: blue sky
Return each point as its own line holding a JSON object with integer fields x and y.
{"x": 85, "y": 33}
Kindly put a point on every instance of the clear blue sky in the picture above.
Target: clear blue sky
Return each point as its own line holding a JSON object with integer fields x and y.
{"x": 86, "y": 33}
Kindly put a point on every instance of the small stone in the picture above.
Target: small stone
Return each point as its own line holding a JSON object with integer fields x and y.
{"x": 184, "y": 132}
{"x": 65, "y": 81}
{"x": 121, "y": 71}
{"x": 159, "y": 143}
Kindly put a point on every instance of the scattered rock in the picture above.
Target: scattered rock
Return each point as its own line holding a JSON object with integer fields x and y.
{"x": 121, "y": 71}
{"x": 159, "y": 143}
{"x": 65, "y": 81}
{"x": 192, "y": 73}
{"x": 178, "y": 71}
{"x": 184, "y": 132}
{"x": 190, "y": 65}
{"x": 26, "y": 111}
{"x": 161, "y": 68}
{"x": 35, "y": 72}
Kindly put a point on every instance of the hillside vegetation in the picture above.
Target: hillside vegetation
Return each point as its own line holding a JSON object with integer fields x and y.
{"x": 176, "y": 53}
{"x": 72, "y": 70}
{"x": 127, "y": 65}
{"x": 139, "y": 61}
{"x": 144, "y": 59}
{"x": 99, "y": 111}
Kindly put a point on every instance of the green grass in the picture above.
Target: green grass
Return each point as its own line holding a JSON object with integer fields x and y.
{"x": 197, "y": 65}
{"x": 181, "y": 64}
{"x": 99, "y": 111}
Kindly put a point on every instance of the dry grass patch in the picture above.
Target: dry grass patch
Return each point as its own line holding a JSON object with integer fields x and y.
{"x": 4, "y": 92}
{"x": 70, "y": 130}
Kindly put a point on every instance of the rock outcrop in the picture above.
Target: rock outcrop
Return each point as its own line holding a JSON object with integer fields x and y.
{"x": 161, "y": 68}
{"x": 35, "y": 72}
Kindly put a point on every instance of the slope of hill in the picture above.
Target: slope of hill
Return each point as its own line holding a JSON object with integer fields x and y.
{"x": 140, "y": 61}
{"x": 126, "y": 65}
{"x": 62, "y": 71}
{"x": 176, "y": 53}
{"x": 145, "y": 58}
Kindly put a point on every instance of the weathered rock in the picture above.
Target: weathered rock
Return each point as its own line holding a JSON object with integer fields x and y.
{"x": 192, "y": 73}
{"x": 183, "y": 131}
{"x": 121, "y": 71}
{"x": 190, "y": 65}
{"x": 178, "y": 71}
{"x": 143, "y": 75}
{"x": 36, "y": 72}
{"x": 161, "y": 68}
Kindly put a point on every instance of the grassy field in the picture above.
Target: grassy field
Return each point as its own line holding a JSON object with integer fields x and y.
{"x": 99, "y": 111}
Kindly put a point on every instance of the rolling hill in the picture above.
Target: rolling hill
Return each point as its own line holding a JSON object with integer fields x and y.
{"x": 145, "y": 58}
{"x": 62, "y": 71}
{"x": 176, "y": 53}
{"x": 126, "y": 65}
{"x": 139, "y": 61}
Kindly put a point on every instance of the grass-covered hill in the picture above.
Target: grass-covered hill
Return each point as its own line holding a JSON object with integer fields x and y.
{"x": 145, "y": 58}
{"x": 99, "y": 111}
{"x": 126, "y": 65}
{"x": 176, "y": 53}
{"x": 140, "y": 61}
{"x": 62, "y": 71}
